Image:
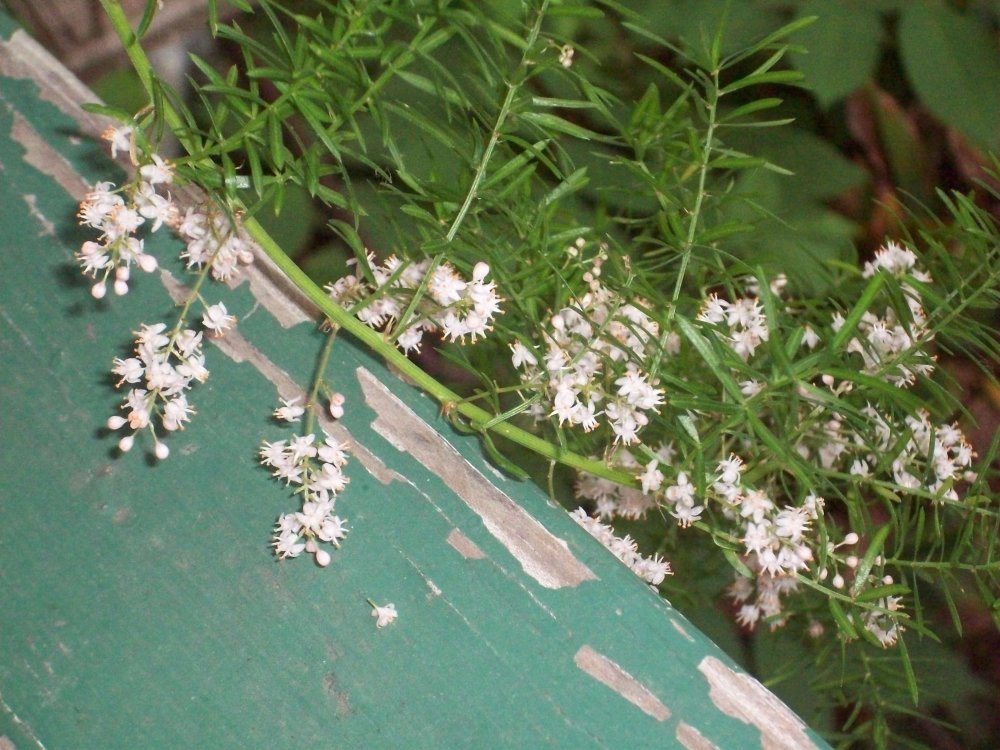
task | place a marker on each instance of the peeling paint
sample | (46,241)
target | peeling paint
(48,228)
(340,696)
(742,697)
(465,546)
(680,629)
(542,555)
(692,739)
(608,673)
(23,57)
(23,727)
(39,154)
(275,292)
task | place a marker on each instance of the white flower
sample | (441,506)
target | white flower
(521,355)
(810,338)
(652,477)
(120,138)
(409,340)
(290,411)
(217,319)
(566,55)
(446,286)
(713,310)
(337,405)
(385,615)
(682,492)
(286,541)
(131,370)
(157,172)
(332,529)
(729,469)
(152,205)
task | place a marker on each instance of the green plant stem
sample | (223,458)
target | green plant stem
(711,106)
(321,363)
(498,126)
(479,419)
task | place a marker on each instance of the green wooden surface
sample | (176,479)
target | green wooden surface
(141,607)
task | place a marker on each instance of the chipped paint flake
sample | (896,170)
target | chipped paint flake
(23,57)
(542,555)
(39,154)
(680,629)
(465,546)
(48,228)
(742,697)
(692,739)
(23,727)
(273,290)
(608,673)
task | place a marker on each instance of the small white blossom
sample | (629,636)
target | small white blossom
(566,55)
(217,319)
(385,615)
(290,410)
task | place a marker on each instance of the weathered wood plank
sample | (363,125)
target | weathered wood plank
(141,606)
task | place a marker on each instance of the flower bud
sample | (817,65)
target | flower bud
(480,271)
(121,287)
(147,262)
(322,558)
(161,450)
(126,443)
(116,422)
(98,290)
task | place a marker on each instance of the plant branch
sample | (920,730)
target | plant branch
(479,419)
(502,115)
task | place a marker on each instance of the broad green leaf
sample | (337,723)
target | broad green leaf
(953,62)
(842,47)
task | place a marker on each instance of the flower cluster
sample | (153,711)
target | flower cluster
(892,346)
(868,444)
(743,321)
(315,466)
(920,457)
(766,591)
(651,569)
(590,365)
(118,213)
(215,238)
(448,303)
(613,500)
(166,365)
(883,620)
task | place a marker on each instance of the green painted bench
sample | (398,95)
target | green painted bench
(140,604)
